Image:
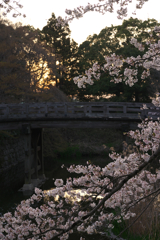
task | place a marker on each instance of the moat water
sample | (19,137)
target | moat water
(8,202)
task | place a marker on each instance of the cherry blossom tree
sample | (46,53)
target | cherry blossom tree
(8,6)
(114,63)
(102,6)
(109,193)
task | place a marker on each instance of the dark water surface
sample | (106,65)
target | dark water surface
(8,202)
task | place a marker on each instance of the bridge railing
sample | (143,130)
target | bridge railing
(77,110)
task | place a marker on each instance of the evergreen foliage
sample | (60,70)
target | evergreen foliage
(116,39)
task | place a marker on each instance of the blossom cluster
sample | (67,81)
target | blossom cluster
(108,194)
(9,5)
(98,196)
(114,65)
(92,72)
(102,6)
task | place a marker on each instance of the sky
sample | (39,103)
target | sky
(39,11)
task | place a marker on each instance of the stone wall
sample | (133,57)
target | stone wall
(12,161)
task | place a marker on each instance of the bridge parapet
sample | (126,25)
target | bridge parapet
(13,112)
(78,110)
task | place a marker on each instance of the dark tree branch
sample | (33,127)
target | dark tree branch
(137,217)
(101,203)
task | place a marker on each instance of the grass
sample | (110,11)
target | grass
(147,227)
(126,235)
(67,142)
(69,153)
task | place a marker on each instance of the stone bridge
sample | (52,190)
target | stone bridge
(31,118)
(74,115)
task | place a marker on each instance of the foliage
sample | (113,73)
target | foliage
(108,194)
(116,39)
(26,66)
(58,38)
(70,153)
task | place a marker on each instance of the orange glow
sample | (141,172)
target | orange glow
(41,75)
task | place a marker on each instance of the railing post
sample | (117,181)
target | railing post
(56,110)
(125,109)
(108,109)
(105,110)
(90,109)
(85,110)
(27,109)
(65,109)
(7,111)
(46,110)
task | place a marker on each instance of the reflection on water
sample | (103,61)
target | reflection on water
(72,195)
(9,202)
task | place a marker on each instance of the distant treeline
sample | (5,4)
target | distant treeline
(40,65)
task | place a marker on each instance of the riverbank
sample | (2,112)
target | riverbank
(76,146)
(144,229)
(66,143)
(85,142)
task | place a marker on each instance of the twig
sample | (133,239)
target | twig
(143,198)
(137,217)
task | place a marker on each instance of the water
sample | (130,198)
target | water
(9,202)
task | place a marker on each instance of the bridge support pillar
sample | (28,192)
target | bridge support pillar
(33,158)
(37,144)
